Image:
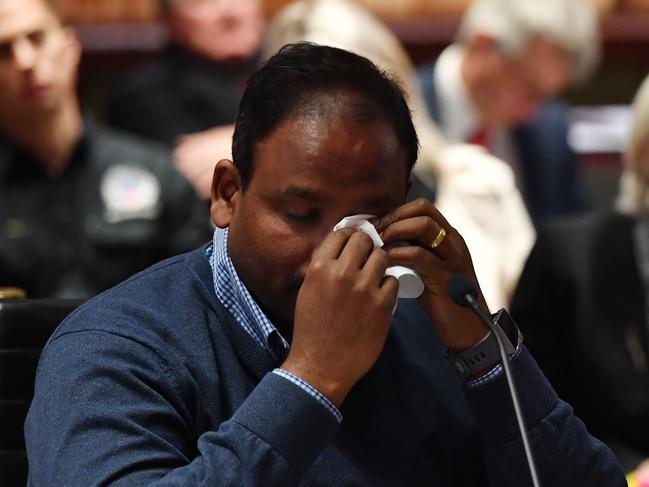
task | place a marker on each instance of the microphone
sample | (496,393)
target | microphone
(463,292)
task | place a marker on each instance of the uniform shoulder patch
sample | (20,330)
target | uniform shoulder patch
(130,191)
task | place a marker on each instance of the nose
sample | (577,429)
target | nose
(24,54)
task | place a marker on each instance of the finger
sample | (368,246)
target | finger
(356,251)
(418,207)
(390,289)
(421,260)
(413,254)
(424,232)
(375,266)
(430,265)
(333,244)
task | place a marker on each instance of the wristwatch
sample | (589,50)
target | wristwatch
(485,354)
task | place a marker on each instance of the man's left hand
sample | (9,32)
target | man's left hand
(418,224)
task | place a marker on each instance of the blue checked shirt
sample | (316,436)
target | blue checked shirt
(237,300)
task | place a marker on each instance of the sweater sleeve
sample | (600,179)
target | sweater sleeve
(564,452)
(107,411)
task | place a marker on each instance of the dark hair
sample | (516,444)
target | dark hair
(298,73)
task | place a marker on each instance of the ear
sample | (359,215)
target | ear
(226,192)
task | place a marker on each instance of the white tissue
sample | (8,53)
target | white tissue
(410,284)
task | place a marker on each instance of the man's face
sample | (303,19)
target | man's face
(38,58)
(309,172)
(220,30)
(514,87)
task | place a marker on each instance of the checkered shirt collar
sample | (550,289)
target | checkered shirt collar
(236,298)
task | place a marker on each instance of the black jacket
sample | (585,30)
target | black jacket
(177,94)
(118,207)
(581,306)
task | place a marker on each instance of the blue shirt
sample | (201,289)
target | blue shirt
(236,298)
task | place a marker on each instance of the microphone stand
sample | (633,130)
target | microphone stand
(469,300)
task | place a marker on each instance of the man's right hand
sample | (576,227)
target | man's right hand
(343,314)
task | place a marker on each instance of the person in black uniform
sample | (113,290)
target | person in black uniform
(188,97)
(81,207)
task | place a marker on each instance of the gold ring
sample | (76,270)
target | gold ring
(439,239)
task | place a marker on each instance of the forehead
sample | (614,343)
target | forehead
(334,145)
(18,17)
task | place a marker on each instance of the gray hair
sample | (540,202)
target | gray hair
(633,197)
(570,24)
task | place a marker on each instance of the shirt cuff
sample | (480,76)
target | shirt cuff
(312,391)
(492,374)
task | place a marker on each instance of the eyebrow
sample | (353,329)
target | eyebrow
(307,194)
(302,193)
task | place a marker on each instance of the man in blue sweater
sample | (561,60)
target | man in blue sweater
(271,357)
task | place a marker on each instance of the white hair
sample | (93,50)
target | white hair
(570,24)
(633,197)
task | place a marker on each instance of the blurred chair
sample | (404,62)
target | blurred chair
(25,326)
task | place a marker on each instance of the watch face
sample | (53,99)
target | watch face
(506,323)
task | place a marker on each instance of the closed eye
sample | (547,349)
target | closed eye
(310,216)
(5,51)
(37,37)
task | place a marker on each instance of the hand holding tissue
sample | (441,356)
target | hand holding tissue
(410,284)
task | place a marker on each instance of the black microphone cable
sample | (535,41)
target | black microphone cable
(464,293)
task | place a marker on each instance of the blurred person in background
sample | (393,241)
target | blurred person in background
(188,98)
(475,191)
(81,207)
(494,86)
(583,305)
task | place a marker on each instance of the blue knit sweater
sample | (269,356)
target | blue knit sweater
(153,383)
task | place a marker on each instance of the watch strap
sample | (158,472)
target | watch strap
(485,353)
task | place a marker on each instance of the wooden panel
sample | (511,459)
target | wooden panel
(635,5)
(97,11)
